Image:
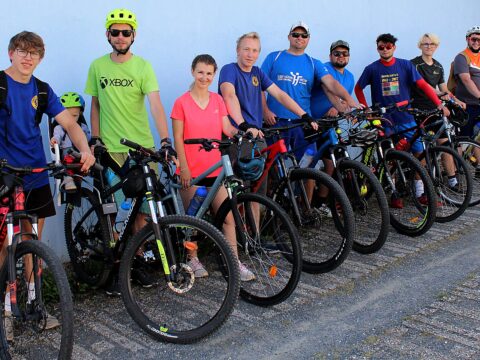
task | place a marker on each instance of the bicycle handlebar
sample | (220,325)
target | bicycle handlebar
(161,155)
(78,156)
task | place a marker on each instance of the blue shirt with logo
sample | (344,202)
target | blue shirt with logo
(294,74)
(248,88)
(21,141)
(390,84)
(319,103)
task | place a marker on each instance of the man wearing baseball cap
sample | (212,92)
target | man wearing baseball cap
(295,72)
(339,57)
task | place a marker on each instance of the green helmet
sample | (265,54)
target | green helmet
(121,16)
(72,99)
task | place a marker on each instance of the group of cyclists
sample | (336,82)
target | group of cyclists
(290,87)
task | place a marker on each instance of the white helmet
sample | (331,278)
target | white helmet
(473,30)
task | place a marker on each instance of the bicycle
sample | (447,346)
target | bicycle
(160,300)
(32,276)
(326,241)
(363,190)
(441,163)
(266,238)
(397,171)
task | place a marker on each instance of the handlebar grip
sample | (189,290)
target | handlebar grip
(194,141)
(136,146)
(78,156)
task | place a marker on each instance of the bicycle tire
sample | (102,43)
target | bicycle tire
(271,250)
(413,219)
(467,147)
(453,201)
(173,317)
(369,204)
(326,241)
(31,340)
(86,231)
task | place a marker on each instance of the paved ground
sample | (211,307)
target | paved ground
(417,298)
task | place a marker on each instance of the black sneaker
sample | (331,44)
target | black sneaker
(113,289)
(141,275)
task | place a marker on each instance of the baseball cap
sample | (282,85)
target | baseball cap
(302,25)
(339,43)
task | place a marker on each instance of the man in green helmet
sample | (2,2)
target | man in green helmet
(118,83)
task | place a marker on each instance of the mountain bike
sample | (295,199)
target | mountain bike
(398,172)
(363,189)
(442,163)
(157,286)
(32,277)
(326,240)
(267,240)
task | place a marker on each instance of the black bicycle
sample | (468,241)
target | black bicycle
(36,302)
(160,300)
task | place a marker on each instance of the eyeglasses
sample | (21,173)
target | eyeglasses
(34,55)
(340,53)
(297,35)
(472,39)
(383,47)
(116,32)
(428,44)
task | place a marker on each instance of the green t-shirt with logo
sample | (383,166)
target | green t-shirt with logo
(121,89)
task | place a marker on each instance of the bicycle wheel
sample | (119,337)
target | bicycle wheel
(397,174)
(369,203)
(43,294)
(268,245)
(453,200)
(326,239)
(187,308)
(86,231)
(470,152)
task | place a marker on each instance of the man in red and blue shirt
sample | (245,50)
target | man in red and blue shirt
(391,80)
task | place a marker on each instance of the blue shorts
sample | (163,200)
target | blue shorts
(417,146)
(294,138)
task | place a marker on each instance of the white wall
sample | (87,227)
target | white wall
(171,33)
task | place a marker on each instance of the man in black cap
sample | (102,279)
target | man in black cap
(321,102)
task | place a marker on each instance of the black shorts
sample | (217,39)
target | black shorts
(40,201)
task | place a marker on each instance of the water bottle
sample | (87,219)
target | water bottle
(122,214)
(197,200)
(111,177)
(401,145)
(307,157)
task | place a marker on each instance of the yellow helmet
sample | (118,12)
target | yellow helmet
(121,16)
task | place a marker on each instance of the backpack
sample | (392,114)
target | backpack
(452,82)
(42,96)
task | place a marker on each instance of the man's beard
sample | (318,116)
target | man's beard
(339,65)
(473,50)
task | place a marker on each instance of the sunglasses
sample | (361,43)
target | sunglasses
(340,53)
(472,39)
(297,35)
(116,32)
(383,47)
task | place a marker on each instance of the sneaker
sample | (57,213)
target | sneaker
(8,323)
(245,274)
(325,211)
(52,322)
(68,185)
(113,289)
(198,269)
(142,276)
(396,202)
(423,199)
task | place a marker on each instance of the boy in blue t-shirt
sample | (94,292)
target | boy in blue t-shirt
(21,140)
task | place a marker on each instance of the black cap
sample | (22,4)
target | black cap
(339,43)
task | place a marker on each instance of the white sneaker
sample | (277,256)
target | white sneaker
(8,322)
(198,269)
(245,274)
(68,184)
(325,211)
